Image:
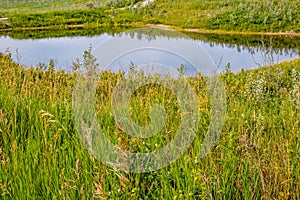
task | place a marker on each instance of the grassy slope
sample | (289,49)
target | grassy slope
(36,5)
(255,16)
(257,155)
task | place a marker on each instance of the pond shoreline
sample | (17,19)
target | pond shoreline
(223,32)
(139,25)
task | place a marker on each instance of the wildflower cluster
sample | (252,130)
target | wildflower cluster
(255,89)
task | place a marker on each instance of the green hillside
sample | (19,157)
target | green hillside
(226,15)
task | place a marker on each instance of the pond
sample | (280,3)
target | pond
(238,51)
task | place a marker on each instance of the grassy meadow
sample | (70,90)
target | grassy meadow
(256,157)
(45,5)
(225,15)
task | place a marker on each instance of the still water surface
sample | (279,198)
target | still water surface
(64,50)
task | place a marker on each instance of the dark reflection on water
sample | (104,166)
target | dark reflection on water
(240,51)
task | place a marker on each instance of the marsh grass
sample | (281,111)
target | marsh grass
(256,157)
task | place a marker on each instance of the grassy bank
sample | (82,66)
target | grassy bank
(46,5)
(256,157)
(229,15)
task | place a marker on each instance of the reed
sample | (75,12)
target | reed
(257,155)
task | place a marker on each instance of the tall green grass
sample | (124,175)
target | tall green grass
(256,157)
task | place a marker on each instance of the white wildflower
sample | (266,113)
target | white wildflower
(255,89)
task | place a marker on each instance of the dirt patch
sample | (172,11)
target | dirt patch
(4,20)
(224,32)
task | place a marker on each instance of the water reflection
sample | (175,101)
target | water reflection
(240,51)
